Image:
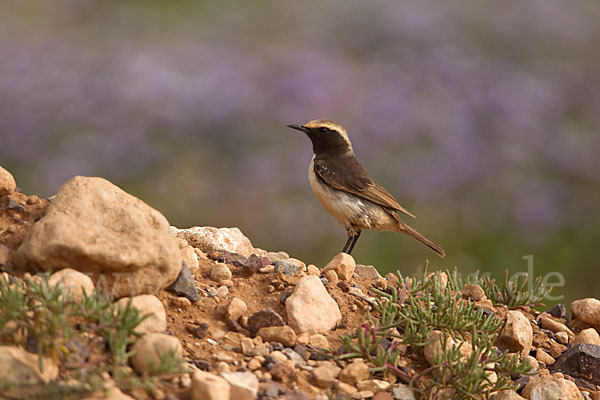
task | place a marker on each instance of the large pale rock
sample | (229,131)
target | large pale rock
(207,386)
(21,368)
(343,264)
(209,239)
(244,385)
(517,334)
(551,388)
(7,182)
(149,348)
(147,305)
(74,281)
(95,227)
(310,308)
(588,311)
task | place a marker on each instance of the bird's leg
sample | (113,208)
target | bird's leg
(354,240)
(350,238)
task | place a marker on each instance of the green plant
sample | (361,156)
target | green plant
(404,317)
(515,292)
(87,337)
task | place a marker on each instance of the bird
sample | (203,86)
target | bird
(347,191)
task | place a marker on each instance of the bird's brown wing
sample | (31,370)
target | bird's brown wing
(335,171)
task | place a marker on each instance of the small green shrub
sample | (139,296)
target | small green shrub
(402,318)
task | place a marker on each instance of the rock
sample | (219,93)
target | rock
(222,291)
(151,305)
(278,356)
(282,334)
(580,361)
(319,341)
(149,348)
(220,272)
(289,267)
(531,361)
(181,302)
(347,389)
(279,255)
(558,311)
(364,394)
(473,291)
(244,385)
(343,264)
(285,372)
(588,336)
(373,385)
(332,278)
(190,258)
(562,337)
(588,311)
(207,386)
(313,270)
(325,375)
(263,318)
(367,271)
(310,308)
(295,357)
(110,391)
(355,372)
(403,392)
(95,227)
(506,395)
(517,334)
(544,357)
(302,339)
(7,182)
(254,364)
(22,369)
(6,255)
(382,396)
(433,349)
(551,388)
(236,308)
(555,326)
(185,285)
(74,281)
(209,239)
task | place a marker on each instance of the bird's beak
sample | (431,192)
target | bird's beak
(300,128)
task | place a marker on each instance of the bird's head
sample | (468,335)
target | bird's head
(326,136)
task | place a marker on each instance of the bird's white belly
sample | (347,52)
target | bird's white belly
(350,210)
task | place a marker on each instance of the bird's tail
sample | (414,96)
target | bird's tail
(429,243)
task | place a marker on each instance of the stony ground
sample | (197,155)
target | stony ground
(248,323)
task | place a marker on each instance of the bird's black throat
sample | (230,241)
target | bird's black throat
(328,144)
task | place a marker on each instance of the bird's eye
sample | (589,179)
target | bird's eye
(323,130)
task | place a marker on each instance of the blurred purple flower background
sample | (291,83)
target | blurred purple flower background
(482,118)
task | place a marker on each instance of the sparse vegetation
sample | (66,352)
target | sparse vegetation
(512,293)
(88,338)
(404,318)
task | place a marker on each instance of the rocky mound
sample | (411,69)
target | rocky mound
(225,320)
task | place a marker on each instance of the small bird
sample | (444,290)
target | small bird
(343,186)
